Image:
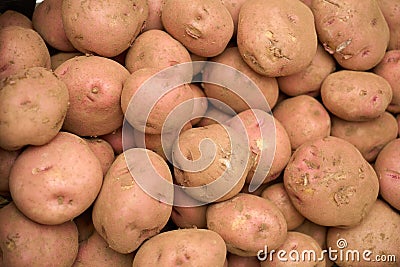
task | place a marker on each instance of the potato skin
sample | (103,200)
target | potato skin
(33,118)
(153,21)
(204,27)
(26,243)
(391,11)
(61,57)
(239,261)
(356,95)
(14,18)
(355,32)
(103,151)
(276,38)
(56,182)
(184,247)
(330,183)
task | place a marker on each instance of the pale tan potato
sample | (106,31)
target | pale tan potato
(21,48)
(7,159)
(14,18)
(391,11)
(61,57)
(103,151)
(54,183)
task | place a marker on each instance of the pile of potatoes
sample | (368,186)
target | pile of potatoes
(77,142)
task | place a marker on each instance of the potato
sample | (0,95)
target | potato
(155,49)
(369,137)
(14,18)
(31,118)
(188,215)
(213,116)
(389,68)
(183,247)
(200,104)
(102,27)
(95,86)
(21,48)
(224,159)
(354,32)
(391,12)
(277,194)
(388,170)
(308,81)
(247,223)
(304,119)
(374,237)
(268,87)
(330,183)
(233,7)
(7,159)
(160,103)
(125,215)
(84,224)
(61,57)
(318,232)
(54,183)
(103,151)
(153,21)
(355,95)
(239,261)
(95,252)
(256,192)
(26,243)
(304,245)
(276,38)
(204,27)
(115,139)
(48,13)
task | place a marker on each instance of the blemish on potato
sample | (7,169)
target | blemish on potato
(192,31)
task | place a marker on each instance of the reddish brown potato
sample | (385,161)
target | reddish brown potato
(103,151)
(391,12)
(14,18)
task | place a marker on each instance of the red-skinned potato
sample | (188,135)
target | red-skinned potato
(48,13)
(95,86)
(14,18)
(204,27)
(27,243)
(388,170)
(21,48)
(153,21)
(103,151)
(330,183)
(355,32)
(104,28)
(32,118)
(391,11)
(276,38)
(7,159)
(239,261)
(54,183)
(115,139)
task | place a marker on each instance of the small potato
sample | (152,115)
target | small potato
(204,27)
(105,28)
(61,57)
(21,48)
(356,95)
(155,49)
(183,247)
(309,80)
(95,86)
(388,169)
(304,119)
(275,37)
(213,116)
(389,68)
(48,13)
(200,103)
(54,183)
(355,32)
(369,137)
(153,21)
(247,217)
(330,183)
(14,18)
(7,159)
(239,261)
(32,118)
(376,234)
(103,151)
(302,244)
(138,215)
(277,194)
(391,11)
(26,243)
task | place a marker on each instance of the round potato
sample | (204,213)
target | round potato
(183,247)
(356,95)
(54,183)
(330,183)
(14,18)
(32,118)
(275,37)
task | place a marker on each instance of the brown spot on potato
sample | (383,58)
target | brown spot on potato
(192,31)
(343,195)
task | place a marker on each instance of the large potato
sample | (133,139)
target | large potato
(204,27)
(275,37)
(354,31)
(330,183)
(125,215)
(183,247)
(26,243)
(95,86)
(54,183)
(102,27)
(33,105)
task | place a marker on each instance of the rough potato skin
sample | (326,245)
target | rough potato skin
(27,243)
(330,183)
(276,38)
